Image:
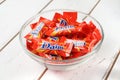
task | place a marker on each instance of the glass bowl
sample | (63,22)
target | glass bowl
(59,64)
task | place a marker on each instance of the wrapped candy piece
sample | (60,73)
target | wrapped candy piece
(47,22)
(92,44)
(77,36)
(62,22)
(63,53)
(45,46)
(68,18)
(32,44)
(91,26)
(62,48)
(39,28)
(78,45)
(59,31)
(96,33)
(61,39)
(71,17)
(71,29)
(57,17)
(87,28)
(41,53)
(38,31)
(96,37)
(35,33)
(33,25)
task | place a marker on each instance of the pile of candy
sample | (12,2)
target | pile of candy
(62,37)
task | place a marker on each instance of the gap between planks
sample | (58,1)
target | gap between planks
(105,77)
(41,75)
(92,9)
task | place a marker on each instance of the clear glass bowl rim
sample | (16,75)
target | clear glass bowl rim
(68,60)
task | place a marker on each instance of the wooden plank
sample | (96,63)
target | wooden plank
(107,13)
(14,13)
(16,65)
(79,5)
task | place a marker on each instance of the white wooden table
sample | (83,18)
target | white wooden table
(16,65)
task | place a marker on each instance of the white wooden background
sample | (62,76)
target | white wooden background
(16,65)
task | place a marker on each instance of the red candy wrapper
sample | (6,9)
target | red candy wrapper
(71,17)
(71,29)
(47,22)
(62,37)
(36,31)
(78,45)
(60,48)
(60,31)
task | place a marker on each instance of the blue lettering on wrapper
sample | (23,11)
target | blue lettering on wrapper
(63,22)
(77,42)
(47,45)
(64,28)
(43,46)
(36,31)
